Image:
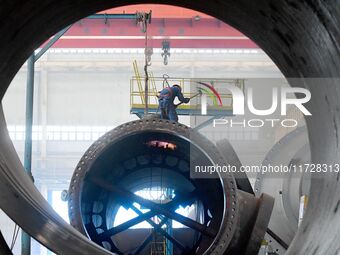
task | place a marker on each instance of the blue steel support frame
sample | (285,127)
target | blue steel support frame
(113,16)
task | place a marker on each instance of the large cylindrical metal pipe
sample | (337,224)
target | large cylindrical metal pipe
(150,154)
(145,159)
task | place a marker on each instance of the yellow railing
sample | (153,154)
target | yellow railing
(139,81)
(156,84)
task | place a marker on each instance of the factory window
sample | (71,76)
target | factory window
(243,134)
(59,133)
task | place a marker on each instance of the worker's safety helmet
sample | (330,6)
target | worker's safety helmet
(176,85)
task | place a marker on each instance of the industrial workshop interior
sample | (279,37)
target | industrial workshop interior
(203,128)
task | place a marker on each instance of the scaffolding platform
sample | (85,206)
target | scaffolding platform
(189,88)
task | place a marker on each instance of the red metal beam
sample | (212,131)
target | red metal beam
(181,32)
(158,11)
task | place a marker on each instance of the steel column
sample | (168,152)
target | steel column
(25,238)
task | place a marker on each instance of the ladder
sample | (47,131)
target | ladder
(139,79)
(158,246)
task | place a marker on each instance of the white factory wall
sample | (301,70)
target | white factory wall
(80,94)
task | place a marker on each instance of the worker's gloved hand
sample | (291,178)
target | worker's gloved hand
(186,100)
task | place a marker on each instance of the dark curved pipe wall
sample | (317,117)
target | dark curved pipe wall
(302,37)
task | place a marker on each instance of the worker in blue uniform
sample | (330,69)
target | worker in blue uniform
(166,102)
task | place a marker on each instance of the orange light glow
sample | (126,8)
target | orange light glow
(161,144)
